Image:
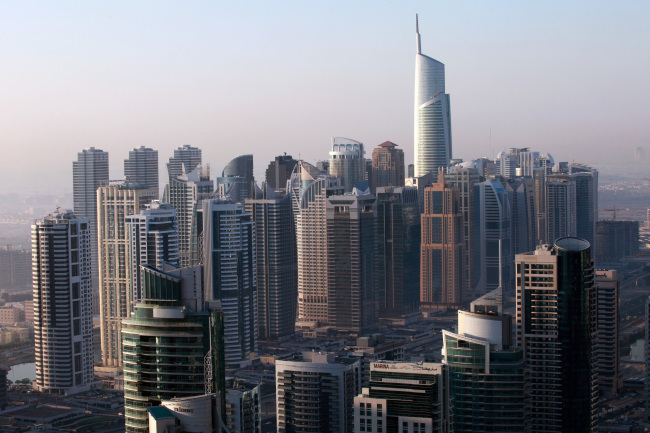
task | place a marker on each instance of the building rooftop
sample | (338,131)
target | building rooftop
(160,412)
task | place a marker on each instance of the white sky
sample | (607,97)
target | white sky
(569,78)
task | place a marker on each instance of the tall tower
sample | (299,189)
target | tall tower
(152,240)
(236,179)
(279,171)
(387,166)
(230,274)
(606,348)
(275,252)
(141,167)
(351,262)
(63,328)
(114,203)
(185,159)
(89,172)
(556,326)
(443,246)
(347,161)
(432,120)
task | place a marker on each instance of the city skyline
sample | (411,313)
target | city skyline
(93,76)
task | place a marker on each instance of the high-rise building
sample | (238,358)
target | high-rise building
(15,268)
(464,179)
(63,328)
(277,268)
(200,413)
(230,274)
(411,170)
(152,240)
(560,207)
(556,327)
(114,203)
(172,344)
(494,218)
(315,392)
(243,401)
(141,167)
(309,192)
(522,199)
(443,246)
(606,345)
(432,120)
(89,172)
(351,262)
(184,161)
(616,239)
(398,250)
(647,360)
(403,397)
(486,371)
(185,193)
(586,179)
(279,171)
(387,166)
(236,180)
(347,162)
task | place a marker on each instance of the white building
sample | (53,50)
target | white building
(141,167)
(63,328)
(347,161)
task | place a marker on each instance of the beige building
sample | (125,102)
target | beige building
(387,166)
(443,246)
(114,203)
(9,315)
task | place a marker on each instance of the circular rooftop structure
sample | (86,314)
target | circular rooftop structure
(572,244)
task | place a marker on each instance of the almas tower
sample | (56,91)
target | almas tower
(432,122)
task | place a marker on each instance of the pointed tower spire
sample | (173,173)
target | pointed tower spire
(417,36)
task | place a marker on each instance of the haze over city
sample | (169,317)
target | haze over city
(262,77)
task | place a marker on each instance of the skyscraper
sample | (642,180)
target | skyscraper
(556,325)
(351,262)
(279,171)
(432,119)
(63,328)
(141,167)
(586,179)
(236,180)
(387,166)
(185,159)
(89,172)
(443,246)
(152,240)
(486,371)
(114,203)
(398,250)
(524,228)
(230,274)
(347,162)
(275,255)
(606,348)
(560,207)
(493,217)
(172,344)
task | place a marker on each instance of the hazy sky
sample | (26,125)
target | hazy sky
(571,78)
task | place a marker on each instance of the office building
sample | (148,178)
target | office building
(486,371)
(310,189)
(243,406)
(279,171)
(403,397)
(443,246)
(172,344)
(351,262)
(114,203)
(236,180)
(89,172)
(15,268)
(432,119)
(185,193)
(398,250)
(615,240)
(556,326)
(606,348)
(231,274)
(387,166)
(141,167)
(277,266)
(586,179)
(347,162)
(463,179)
(315,392)
(521,195)
(560,207)
(184,161)
(63,327)
(411,170)
(152,240)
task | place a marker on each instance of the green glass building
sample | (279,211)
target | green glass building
(169,343)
